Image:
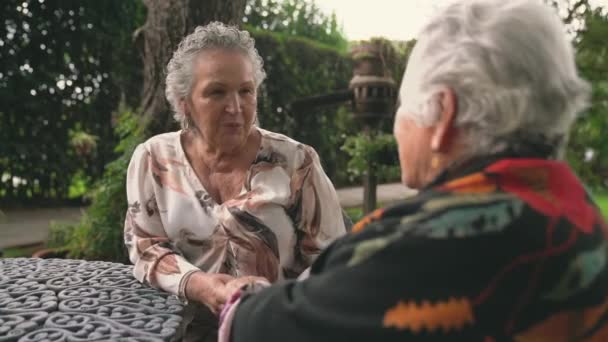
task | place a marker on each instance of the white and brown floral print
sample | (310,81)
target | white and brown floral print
(286,213)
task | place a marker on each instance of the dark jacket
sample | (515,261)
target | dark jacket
(514,250)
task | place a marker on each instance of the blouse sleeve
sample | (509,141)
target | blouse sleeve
(319,219)
(156,261)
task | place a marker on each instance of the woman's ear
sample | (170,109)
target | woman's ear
(183,106)
(444,128)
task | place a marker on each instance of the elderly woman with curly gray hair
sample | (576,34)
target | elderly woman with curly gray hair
(502,243)
(222,202)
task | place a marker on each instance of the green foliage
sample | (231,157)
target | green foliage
(79,186)
(19,252)
(355,214)
(83,143)
(298,67)
(373,151)
(63,68)
(60,234)
(601,199)
(99,235)
(296,18)
(588,147)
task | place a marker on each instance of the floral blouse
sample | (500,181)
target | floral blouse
(286,213)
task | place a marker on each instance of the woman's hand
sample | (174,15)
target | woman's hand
(209,289)
(237,283)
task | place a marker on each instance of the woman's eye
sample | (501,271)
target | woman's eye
(217,92)
(247,91)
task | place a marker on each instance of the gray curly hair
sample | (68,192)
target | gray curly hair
(511,66)
(180,73)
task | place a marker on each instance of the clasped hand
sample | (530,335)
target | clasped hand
(214,289)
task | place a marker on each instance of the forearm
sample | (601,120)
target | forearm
(164,269)
(156,262)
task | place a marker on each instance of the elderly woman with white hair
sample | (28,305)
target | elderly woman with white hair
(222,202)
(502,243)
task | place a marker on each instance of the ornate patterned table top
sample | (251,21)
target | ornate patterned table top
(77,300)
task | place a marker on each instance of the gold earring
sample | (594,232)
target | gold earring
(435,160)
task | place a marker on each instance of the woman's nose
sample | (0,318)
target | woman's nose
(234,104)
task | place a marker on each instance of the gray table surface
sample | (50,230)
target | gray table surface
(76,300)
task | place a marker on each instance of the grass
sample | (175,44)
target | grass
(18,252)
(355,214)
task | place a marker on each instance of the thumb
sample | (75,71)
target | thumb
(223,278)
(223,293)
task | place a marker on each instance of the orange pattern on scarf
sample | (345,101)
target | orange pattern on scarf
(371,217)
(452,314)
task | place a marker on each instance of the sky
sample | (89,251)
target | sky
(392,19)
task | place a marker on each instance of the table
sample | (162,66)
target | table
(77,300)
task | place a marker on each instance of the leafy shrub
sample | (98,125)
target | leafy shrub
(376,152)
(99,235)
(297,68)
(64,66)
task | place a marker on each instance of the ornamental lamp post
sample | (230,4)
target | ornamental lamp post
(372,94)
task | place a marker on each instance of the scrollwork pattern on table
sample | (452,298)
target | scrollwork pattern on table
(76,300)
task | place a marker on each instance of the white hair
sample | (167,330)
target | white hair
(180,69)
(511,67)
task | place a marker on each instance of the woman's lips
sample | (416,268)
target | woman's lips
(232,127)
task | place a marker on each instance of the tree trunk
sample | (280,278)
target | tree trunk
(168,21)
